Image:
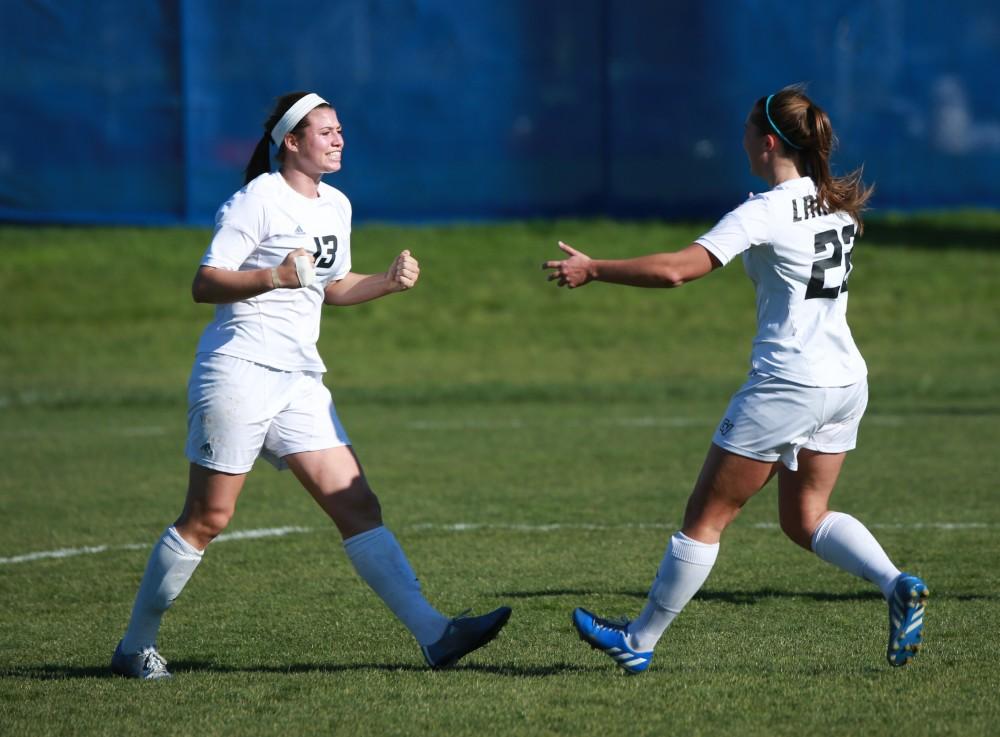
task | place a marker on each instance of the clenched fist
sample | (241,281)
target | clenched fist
(297,270)
(403,273)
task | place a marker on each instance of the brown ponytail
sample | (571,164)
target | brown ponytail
(808,136)
(260,159)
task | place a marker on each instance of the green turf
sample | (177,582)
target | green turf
(565,427)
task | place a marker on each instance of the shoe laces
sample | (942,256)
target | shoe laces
(454,620)
(152,661)
(617,624)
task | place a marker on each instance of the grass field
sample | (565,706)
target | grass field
(530,446)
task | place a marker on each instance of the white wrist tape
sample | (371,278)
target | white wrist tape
(305,271)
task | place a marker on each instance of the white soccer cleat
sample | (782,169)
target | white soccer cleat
(146,664)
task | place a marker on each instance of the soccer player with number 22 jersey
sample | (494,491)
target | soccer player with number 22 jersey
(798,413)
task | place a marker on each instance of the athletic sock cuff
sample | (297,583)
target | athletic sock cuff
(357,543)
(173,540)
(689,550)
(823,529)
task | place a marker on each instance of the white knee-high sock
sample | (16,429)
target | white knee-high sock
(684,569)
(170,566)
(380,561)
(846,543)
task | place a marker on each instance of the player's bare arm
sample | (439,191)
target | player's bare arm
(655,270)
(354,289)
(222,286)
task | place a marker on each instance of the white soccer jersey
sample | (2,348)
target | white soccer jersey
(256,229)
(799,259)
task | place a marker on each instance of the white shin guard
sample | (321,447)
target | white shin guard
(168,570)
(684,569)
(843,541)
(380,561)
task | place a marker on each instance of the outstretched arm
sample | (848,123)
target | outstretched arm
(354,288)
(670,269)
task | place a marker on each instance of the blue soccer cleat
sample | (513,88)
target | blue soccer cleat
(906,619)
(611,638)
(463,635)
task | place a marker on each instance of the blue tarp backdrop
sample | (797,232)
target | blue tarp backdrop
(143,111)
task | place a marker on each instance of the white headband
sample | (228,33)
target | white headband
(295,113)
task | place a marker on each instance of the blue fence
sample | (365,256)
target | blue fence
(146,112)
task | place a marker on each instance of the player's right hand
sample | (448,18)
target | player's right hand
(573,271)
(289,273)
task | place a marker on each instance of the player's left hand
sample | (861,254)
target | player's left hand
(403,273)
(572,272)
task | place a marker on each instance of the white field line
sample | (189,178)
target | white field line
(513,423)
(92,549)
(507,423)
(463,527)
(137,431)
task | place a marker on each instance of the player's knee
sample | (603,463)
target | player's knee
(798,527)
(708,512)
(205,525)
(361,501)
(215,521)
(354,506)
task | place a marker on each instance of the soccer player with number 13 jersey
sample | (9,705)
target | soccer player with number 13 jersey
(281,250)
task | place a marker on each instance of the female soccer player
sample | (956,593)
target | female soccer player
(798,413)
(281,250)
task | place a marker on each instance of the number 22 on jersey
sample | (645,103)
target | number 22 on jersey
(840,258)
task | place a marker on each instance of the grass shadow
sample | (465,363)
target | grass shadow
(753,597)
(743,597)
(729,597)
(54,672)
(184,666)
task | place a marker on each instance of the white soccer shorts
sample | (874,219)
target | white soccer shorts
(239,410)
(770,419)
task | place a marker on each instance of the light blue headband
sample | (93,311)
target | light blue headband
(767,112)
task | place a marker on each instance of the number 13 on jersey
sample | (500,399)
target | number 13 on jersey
(326,251)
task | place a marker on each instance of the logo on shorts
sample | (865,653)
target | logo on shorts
(725,427)
(299,231)
(206,450)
